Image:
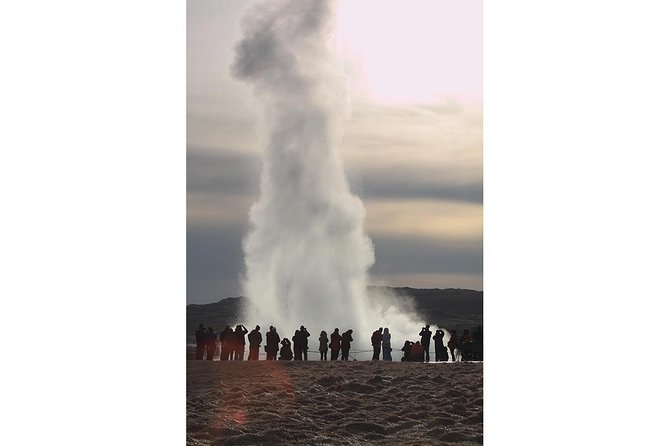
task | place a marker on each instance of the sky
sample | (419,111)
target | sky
(411,145)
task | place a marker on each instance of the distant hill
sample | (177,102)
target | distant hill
(451,307)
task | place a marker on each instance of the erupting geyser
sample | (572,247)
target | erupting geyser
(307,254)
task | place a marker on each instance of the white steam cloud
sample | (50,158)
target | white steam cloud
(307,254)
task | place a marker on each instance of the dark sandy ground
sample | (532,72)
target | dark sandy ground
(334,403)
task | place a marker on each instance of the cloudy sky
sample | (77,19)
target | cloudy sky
(412,145)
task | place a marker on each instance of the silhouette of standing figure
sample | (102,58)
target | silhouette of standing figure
(210,341)
(230,342)
(466,345)
(425,335)
(323,347)
(300,342)
(304,334)
(335,345)
(240,334)
(376,343)
(346,340)
(439,350)
(297,343)
(200,335)
(272,346)
(255,339)
(286,353)
(227,343)
(385,343)
(453,344)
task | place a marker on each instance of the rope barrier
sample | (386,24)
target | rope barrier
(263,355)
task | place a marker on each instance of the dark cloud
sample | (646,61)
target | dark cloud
(214,253)
(415,183)
(222,172)
(214,261)
(421,255)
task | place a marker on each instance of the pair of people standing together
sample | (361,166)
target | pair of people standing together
(337,343)
(381,339)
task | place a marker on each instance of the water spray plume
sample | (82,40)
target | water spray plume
(307,255)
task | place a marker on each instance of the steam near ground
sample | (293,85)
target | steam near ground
(307,255)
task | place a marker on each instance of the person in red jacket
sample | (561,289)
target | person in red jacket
(417,352)
(453,344)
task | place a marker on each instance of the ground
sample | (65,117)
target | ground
(334,403)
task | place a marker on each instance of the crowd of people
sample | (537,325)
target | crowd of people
(232,345)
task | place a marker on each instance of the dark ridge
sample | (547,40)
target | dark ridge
(451,307)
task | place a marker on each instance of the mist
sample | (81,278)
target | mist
(307,255)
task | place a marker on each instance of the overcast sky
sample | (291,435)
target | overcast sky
(412,146)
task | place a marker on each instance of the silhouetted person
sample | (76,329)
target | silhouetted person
(200,335)
(240,342)
(286,353)
(210,342)
(439,350)
(323,347)
(232,344)
(335,345)
(425,335)
(385,343)
(477,337)
(466,345)
(300,342)
(453,344)
(305,345)
(227,338)
(297,344)
(255,339)
(407,350)
(272,347)
(417,352)
(346,340)
(376,344)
